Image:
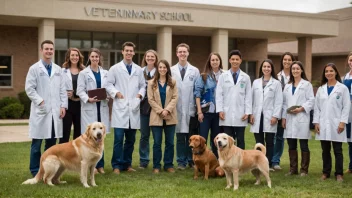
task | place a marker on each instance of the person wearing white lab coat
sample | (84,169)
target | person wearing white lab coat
(347,80)
(45,87)
(72,66)
(234,99)
(298,101)
(267,105)
(92,109)
(279,142)
(331,111)
(185,75)
(126,85)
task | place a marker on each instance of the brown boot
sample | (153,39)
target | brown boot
(293,162)
(305,163)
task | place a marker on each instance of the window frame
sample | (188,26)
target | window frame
(11,75)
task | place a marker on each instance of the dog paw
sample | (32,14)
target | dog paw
(205,178)
(227,187)
(195,177)
(63,182)
(94,185)
(257,183)
(86,185)
(235,187)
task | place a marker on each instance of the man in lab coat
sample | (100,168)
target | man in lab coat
(185,75)
(45,87)
(127,85)
(234,99)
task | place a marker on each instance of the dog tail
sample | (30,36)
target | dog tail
(36,178)
(260,147)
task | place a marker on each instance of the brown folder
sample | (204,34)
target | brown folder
(100,93)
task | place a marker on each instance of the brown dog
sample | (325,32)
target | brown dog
(204,159)
(235,161)
(81,155)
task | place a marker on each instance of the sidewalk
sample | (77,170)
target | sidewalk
(14,133)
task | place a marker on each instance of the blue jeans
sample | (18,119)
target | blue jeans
(144,141)
(210,121)
(34,161)
(184,152)
(169,131)
(278,145)
(100,163)
(122,153)
(348,132)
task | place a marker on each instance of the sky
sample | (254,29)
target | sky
(306,6)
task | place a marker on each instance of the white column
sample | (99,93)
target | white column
(164,43)
(219,44)
(46,31)
(305,54)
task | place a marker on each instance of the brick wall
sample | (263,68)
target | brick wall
(22,44)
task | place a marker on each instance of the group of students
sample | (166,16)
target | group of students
(178,99)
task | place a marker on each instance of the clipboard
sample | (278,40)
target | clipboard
(100,93)
(292,108)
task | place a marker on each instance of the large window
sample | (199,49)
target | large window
(5,71)
(107,42)
(249,67)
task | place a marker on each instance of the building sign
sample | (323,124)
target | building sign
(137,14)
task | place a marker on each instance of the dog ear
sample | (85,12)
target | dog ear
(190,138)
(231,141)
(215,143)
(87,132)
(202,140)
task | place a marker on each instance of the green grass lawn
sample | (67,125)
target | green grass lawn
(14,162)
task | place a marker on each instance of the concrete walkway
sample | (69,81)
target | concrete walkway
(14,133)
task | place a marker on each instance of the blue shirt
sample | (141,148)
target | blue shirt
(162,92)
(47,66)
(180,67)
(98,81)
(330,89)
(293,89)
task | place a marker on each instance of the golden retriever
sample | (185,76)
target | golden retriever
(235,161)
(204,159)
(81,155)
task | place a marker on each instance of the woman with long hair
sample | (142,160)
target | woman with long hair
(162,97)
(204,92)
(331,111)
(347,80)
(149,66)
(72,66)
(93,77)
(266,108)
(298,101)
(283,76)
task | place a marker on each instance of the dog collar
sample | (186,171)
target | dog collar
(199,152)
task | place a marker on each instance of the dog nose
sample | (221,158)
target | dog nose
(219,143)
(191,146)
(99,135)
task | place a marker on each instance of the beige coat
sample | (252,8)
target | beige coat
(155,103)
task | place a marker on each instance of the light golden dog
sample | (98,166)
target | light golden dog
(81,155)
(235,161)
(204,159)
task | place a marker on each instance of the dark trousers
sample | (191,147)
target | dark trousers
(267,139)
(210,122)
(72,116)
(183,151)
(34,161)
(237,133)
(348,132)
(144,141)
(292,144)
(326,155)
(279,144)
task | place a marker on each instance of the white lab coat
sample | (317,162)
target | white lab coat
(234,100)
(268,101)
(85,82)
(186,103)
(68,79)
(330,110)
(40,86)
(127,109)
(297,125)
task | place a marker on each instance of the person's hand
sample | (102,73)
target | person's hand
(273,121)
(297,110)
(119,95)
(283,123)
(92,100)
(139,96)
(62,112)
(251,119)
(42,103)
(200,117)
(341,127)
(244,117)
(222,115)
(164,113)
(317,128)
(69,94)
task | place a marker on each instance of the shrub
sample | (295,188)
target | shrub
(14,110)
(26,102)
(5,101)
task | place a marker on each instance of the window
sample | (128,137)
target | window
(102,40)
(249,67)
(5,71)
(80,40)
(61,39)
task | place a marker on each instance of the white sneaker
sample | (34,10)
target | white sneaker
(277,167)
(271,170)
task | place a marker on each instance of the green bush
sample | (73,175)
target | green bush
(14,111)
(5,101)
(26,102)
